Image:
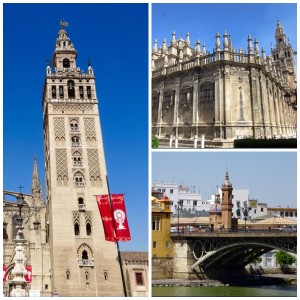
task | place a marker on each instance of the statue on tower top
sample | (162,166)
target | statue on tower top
(63,24)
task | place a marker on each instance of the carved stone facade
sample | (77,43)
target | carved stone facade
(37,248)
(223,95)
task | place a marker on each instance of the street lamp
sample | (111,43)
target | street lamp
(246,213)
(36,224)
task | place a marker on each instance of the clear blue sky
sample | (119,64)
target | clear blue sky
(114,37)
(269,176)
(203,20)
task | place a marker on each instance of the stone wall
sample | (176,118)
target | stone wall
(162,268)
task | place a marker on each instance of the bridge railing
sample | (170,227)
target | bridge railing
(254,232)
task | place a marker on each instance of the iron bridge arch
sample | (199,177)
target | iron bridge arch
(231,252)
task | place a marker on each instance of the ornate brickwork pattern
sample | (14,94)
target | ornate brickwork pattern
(89,127)
(88,217)
(61,163)
(59,127)
(72,107)
(76,217)
(93,163)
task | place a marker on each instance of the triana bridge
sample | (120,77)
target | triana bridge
(217,254)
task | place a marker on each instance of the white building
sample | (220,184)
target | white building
(189,201)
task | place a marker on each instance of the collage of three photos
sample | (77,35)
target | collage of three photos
(150,149)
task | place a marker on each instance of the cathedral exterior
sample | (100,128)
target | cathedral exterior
(224,95)
(64,239)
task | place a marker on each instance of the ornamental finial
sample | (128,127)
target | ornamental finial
(63,24)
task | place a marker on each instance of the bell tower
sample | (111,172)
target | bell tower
(82,262)
(283,57)
(227,203)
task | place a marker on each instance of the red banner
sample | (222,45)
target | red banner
(105,212)
(28,276)
(120,217)
(4,273)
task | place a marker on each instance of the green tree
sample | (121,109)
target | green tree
(154,141)
(284,258)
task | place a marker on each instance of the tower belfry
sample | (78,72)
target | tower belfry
(82,262)
(283,56)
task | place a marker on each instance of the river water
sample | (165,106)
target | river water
(225,291)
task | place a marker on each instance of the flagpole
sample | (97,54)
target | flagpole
(118,248)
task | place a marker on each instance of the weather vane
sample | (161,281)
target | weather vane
(63,24)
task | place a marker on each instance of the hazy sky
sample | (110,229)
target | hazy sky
(270,177)
(110,36)
(203,20)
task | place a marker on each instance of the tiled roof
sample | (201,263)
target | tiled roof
(191,221)
(277,221)
(134,256)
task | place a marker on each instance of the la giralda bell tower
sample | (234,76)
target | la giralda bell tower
(82,262)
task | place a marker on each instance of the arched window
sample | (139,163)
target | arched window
(81,205)
(77,159)
(68,275)
(88,229)
(89,92)
(66,63)
(84,255)
(105,276)
(61,91)
(75,141)
(86,275)
(53,91)
(74,126)
(78,179)
(71,89)
(81,93)
(76,229)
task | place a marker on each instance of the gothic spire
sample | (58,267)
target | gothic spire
(35,181)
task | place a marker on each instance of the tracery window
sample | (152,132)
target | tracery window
(207,92)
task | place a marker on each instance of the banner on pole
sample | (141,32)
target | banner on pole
(120,218)
(28,276)
(107,221)
(4,273)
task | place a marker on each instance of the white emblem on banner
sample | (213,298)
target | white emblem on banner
(119,216)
